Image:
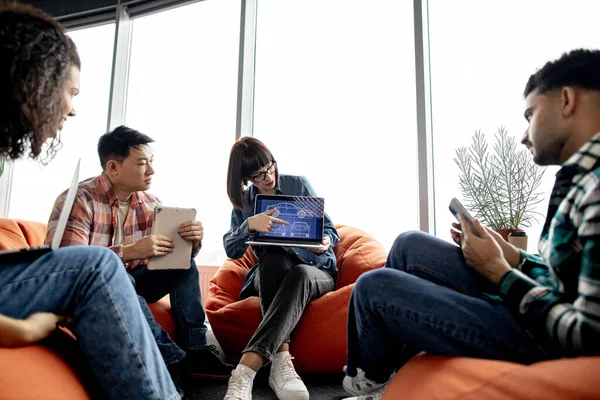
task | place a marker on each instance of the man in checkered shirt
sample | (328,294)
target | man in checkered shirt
(430,297)
(114,210)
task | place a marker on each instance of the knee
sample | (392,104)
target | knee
(404,244)
(407,240)
(100,258)
(369,281)
(299,275)
(105,261)
(380,283)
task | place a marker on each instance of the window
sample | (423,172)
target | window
(35,187)
(335,102)
(481,59)
(182,93)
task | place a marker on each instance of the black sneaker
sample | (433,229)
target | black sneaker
(175,372)
(205,364)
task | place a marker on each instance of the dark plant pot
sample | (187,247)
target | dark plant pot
(505,232)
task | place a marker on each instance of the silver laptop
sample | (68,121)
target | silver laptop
(305,216)
(32,253)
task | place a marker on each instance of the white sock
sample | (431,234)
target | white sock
(247,370)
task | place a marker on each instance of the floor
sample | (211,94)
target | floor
(320,387)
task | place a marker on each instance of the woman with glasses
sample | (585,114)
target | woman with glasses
(285,279)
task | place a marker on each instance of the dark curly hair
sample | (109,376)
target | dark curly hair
(35,57)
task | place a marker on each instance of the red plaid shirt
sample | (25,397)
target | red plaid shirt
(94,217)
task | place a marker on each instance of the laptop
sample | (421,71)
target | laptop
(305,216)
(33,253)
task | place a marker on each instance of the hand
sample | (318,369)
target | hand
(263,222)
(511,254)
(192,230)
(326,243)
(40,325)
(151,246)
(483,253)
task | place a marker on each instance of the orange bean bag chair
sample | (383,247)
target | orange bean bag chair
(319,341)
(453,378)
(34,372)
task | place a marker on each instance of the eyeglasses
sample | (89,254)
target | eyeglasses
(261,176)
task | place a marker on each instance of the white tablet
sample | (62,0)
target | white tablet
(166,222)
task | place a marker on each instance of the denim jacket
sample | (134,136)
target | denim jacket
(234,240)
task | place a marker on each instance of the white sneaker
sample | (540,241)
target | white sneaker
(239,386)
(284,380)
(376,395)
(360,385)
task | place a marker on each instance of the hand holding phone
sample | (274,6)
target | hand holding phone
(457,208)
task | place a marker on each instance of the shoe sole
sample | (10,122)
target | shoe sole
(287,396)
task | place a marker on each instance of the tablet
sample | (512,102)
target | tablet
(166,222)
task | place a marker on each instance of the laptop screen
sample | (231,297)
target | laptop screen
(304,216)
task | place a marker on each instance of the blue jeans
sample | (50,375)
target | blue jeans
(90,285)
(183,287)
(428,299)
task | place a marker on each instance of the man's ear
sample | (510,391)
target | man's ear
(112,167)
(568,101)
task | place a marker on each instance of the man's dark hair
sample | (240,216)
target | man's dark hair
(35,56)
(578,68)
(116,145)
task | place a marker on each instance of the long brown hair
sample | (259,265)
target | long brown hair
(247,156)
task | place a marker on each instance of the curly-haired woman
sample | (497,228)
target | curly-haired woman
(84,286)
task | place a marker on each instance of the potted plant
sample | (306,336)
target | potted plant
(500,185)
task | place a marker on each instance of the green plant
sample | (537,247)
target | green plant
(499,186)
(1,164)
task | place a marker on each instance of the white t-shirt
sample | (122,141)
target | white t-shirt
(121,218)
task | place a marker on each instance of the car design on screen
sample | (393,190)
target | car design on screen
(300,229)
(290,210)
(278,230)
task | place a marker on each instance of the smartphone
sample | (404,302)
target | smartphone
(457,208)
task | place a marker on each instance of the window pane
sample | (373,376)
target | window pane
(182,93)
(35,187)
(482,54)
(335,101)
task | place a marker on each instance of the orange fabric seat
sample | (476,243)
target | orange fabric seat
(453,378)
(319,341)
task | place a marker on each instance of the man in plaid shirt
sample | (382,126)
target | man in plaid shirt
(430,297)
(115,211)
